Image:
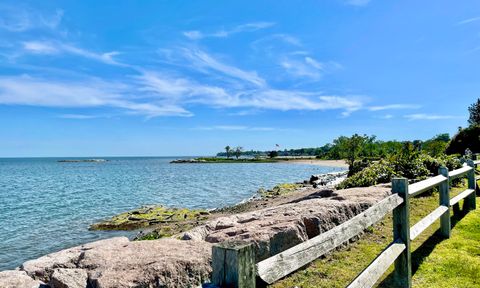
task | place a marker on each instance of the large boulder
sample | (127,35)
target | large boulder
(278,228)
(69,278)
(43,267)
(155,263)
(117,262)
(17,279)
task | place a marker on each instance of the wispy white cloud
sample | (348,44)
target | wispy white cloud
(20,19)
(55,47)
(39,47)
(78,116)
(357,2)
(469,20)
(235,128)
(186,91)
(247,112)
(26,90)
(386,116)
(223,33)
(203,60)
(422,116)
(307,67)
(394,107)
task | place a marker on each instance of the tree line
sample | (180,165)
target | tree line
(369,147)
(345,147)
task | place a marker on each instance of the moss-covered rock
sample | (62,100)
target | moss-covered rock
(149,216)
(279,189)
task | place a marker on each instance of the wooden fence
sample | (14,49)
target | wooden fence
(234,263)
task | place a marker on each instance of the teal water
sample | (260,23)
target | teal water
(47,206)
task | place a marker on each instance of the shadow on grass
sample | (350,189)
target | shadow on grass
(422,252)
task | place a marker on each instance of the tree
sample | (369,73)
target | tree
(228,149)
(272,154)
(466,138)
(350,147)
(238,151)
(444,137)
(474,111)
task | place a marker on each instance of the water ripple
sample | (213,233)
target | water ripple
(46,206)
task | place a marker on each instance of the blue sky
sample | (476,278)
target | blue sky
(102,78)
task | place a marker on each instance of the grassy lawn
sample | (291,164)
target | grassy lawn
(436,262)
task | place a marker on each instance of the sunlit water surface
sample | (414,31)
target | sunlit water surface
(46,205)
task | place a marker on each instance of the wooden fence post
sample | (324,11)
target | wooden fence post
(445,225)
(401,230)
(472,201)
(233,265)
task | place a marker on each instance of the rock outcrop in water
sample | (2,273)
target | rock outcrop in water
(118,262)
(82,160)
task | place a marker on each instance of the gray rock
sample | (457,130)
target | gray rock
(117,262)
(154,263)
(17,279)
(277,228)
(68,278)
(42,268)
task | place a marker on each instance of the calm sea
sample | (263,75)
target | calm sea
(46,206)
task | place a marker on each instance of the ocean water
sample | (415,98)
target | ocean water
(46,206)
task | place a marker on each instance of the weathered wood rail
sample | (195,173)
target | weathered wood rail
(234,264)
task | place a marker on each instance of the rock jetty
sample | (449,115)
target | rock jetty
(328,179)
(182,161)
(82,160)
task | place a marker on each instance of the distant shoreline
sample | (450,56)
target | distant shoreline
(319,162)
(299,160)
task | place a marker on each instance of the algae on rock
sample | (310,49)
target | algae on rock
(149,216)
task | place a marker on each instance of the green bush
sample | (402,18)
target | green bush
(409,164)
(357,167)
(375,173)
(433,164)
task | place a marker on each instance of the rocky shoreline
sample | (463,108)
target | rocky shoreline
(158,221)
(272,223)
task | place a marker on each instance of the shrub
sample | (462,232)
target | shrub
(411,165)
(375,173)
(357,167)
(408,164)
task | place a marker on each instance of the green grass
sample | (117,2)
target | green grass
(436,262)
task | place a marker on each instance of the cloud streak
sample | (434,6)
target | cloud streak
(16,20)
(55,47)
(203,60)
(468,21)
(186,91)
(25,90)
(224,33)
(235,128)
(394,107)
(422,116)
(358,2)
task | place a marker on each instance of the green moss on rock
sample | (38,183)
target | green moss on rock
(280,189)
(148,216)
